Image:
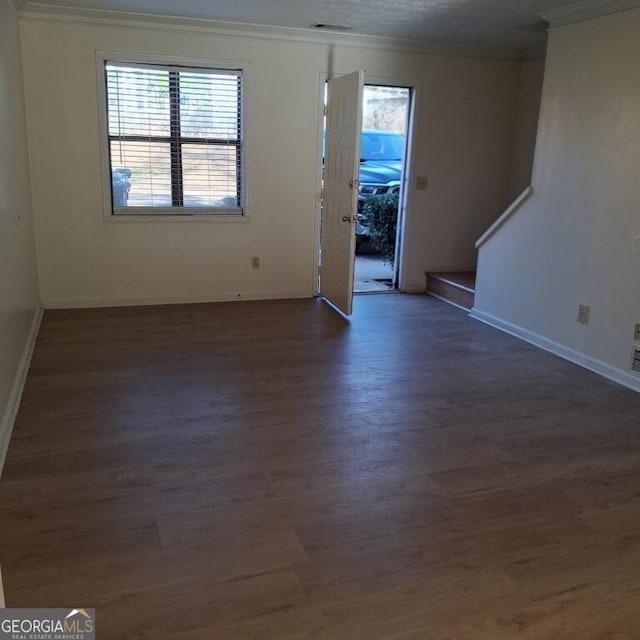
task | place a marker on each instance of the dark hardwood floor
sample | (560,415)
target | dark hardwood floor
(258,470)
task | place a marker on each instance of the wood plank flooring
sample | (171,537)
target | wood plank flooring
(260,470)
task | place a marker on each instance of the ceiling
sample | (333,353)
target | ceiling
(503,24)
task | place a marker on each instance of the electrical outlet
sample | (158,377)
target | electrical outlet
(636,332)
(583,313)
(255,262)
(421,183)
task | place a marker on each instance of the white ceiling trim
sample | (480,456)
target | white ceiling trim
(15,5)
(587,10)
(37,11)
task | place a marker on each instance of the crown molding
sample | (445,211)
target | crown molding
(49,12)
(15,5)
(587,10)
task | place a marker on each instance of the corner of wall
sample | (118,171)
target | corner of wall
(526,125)
(13,402)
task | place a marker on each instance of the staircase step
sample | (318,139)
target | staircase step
(455,287)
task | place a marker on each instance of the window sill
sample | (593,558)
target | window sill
(207,215)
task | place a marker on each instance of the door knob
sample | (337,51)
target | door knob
(346,218)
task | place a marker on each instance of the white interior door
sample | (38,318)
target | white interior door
(340,198)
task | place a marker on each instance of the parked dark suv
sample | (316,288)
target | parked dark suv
(381,159)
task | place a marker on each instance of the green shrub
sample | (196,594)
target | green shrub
(381,213)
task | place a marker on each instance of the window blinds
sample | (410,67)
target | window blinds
(175,137)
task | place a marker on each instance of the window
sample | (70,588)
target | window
(174,139)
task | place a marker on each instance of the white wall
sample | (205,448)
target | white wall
(19,297)
(466,122)
(572,242)
(529,96)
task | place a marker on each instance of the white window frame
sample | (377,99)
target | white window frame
(167,214)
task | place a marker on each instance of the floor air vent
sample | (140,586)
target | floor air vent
(635,360)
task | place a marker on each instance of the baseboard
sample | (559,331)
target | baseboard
(13,403)
(592,364)
(135,301)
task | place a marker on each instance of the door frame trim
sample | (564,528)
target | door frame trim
(404,217)
(315,282)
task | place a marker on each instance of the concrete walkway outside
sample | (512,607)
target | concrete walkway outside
(372,274)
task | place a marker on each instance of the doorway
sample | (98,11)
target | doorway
(361,197)
(383,156)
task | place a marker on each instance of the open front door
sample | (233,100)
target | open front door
(340,199)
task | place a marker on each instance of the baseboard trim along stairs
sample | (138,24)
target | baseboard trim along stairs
(454,287)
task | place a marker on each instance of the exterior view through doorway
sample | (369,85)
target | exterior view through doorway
(383,154)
